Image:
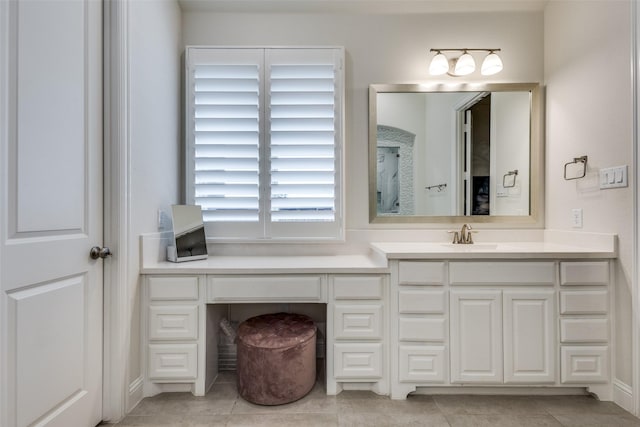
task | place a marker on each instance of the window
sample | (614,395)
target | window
(264,141)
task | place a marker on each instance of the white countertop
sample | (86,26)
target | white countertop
(488,250)
(374,257)
(368,263)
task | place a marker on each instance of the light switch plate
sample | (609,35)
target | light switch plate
(613,177)
(576,218)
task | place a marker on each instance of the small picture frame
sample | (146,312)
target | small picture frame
(189,240)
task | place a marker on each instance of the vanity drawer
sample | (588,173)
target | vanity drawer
(265,289)
(173,322)
(420,301)
(357,321)
(357,287)
(420,273)
(584,364)
(584,273)
(420,329)
(584,302)
(584,330)
(422,364)
(173,361)
(502,273)
(163,288)
(357,360)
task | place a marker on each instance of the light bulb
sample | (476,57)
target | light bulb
(492,64)
(464,65)
(439,65)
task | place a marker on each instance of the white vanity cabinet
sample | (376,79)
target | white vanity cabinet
(584,322)
(172,324)
(419,326)
(502,321)
(502,336)
(181,315)
(357,327)
(499,323)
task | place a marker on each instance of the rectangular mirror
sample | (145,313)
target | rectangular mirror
(188,234)
(455,153)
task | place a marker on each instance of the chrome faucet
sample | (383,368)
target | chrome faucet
(463,236)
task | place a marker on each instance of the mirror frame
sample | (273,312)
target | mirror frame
(536,156)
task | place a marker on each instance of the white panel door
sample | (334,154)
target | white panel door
(476,336)
(529,338)
(51,212)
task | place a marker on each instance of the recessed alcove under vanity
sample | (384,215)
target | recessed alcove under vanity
(401,317)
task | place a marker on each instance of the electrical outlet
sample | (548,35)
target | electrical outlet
(576,218)
(164,223)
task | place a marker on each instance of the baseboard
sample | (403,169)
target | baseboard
(134,395)
(623,395)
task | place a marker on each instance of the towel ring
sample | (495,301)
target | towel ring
(513,173)
(576,160)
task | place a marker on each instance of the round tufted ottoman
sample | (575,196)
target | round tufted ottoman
(276,358)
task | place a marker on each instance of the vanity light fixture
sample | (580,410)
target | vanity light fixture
(439,64)
(464,64)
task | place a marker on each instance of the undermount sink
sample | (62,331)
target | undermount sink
(473,247)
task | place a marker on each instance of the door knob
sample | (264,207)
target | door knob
(98,252)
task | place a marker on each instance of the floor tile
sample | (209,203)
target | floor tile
(307,404)
(223,391)
(222,406)
(205,421)
(161,404)
(163,419)
(413,405)
(579,405)
(208,406)
(283,420)
(489,405)
(391,419)
(502,421)
(226,377)
(597,420)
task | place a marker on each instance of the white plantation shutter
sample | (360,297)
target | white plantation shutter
(302,130)
(226,128)
(264,133)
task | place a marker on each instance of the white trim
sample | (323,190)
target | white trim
(635,303)
(135,393)
(116,203)
(623,395)
(5,61)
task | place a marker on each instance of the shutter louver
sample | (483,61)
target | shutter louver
(226,135)
(302,143)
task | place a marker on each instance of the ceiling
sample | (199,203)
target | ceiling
(360,6)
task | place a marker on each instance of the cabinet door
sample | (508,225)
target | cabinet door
(529,343)
(476,336)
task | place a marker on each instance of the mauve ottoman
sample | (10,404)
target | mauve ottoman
(276,358)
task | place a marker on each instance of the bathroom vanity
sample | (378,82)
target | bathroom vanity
(542,319)
(403,317)
(184,303)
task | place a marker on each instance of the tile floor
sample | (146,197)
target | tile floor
(223,407)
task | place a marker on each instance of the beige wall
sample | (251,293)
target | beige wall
(589,112)
(579,49)
(380,49)
(155,106)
